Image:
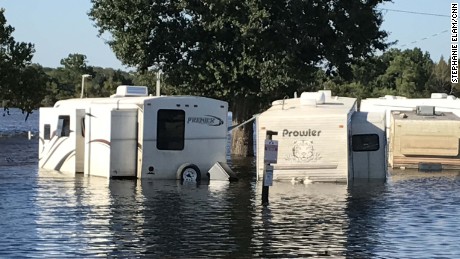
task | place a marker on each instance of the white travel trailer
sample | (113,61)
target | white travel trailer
(424,139)
(422,133)
(132,134)
(323,138)
(441,101)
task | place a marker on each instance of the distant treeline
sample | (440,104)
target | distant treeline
(409,73)
(66,81)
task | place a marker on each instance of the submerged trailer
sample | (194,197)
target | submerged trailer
(132,134)
(323,138)
(424,139)
(388,103)
(421,132)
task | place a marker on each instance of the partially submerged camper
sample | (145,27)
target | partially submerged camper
(424,139)
(422,133)
(132,134)
(388,103)
(323,138)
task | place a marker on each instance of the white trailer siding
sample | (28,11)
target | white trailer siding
(61,140)
(111,142)
(97,155)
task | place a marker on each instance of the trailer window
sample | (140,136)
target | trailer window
(170,129)
(63,128)
(365,142)
(83,129)
(47,132)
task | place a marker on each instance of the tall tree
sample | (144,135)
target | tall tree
(247,52)
(21,84)
(408,72)
(106,80)
(67,78)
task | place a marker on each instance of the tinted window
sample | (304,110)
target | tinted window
(63,128)
(365,142)
(170,129)
(47,131)
(83,127)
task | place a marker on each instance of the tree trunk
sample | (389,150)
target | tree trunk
(242,140)
(242,137)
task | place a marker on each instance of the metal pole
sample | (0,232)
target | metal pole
(82,85)
(158,83)
(265,187)
(83,77)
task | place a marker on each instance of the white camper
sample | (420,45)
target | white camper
(388,103)
(422,133)
(134,135)
(322,138)
(424,139)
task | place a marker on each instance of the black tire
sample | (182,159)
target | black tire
(190,173)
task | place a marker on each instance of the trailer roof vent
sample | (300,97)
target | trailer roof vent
(131,90)
(312,98)
(438,95)
(425,110)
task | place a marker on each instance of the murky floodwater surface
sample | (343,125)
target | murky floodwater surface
(48,214)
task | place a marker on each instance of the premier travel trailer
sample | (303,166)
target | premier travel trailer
(323,138)
(132,134)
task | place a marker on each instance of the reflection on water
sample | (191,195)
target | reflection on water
(50,214)
(13,122)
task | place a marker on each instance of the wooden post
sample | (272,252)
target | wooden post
(265,187)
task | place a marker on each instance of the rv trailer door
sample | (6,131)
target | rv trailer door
(368,146)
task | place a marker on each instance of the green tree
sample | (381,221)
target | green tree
(31,88)
(21,83)
(106,80)
(246,52)
(408,73)
(440,78)
(66,80)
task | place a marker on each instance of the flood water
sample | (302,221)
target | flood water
(48,214)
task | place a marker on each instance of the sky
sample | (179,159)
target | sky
(58,28)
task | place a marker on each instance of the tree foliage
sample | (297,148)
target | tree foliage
(22,84)
(246,52)
(66,80)
(231,49)
(409,73)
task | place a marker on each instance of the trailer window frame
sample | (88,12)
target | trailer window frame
(170,129)
(365,142)
(63,127)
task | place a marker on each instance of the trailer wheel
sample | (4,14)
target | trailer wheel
(190,173)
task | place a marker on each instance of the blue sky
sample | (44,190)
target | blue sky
(60,27)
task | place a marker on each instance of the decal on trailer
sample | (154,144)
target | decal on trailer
(206,120)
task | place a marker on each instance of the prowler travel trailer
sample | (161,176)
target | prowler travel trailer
(323,138)
(132,134)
